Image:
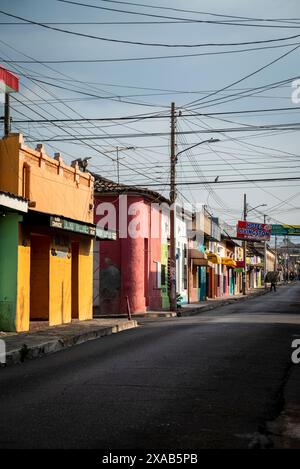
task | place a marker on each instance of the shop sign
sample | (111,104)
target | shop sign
(253,231)
(285,230)
(68,225)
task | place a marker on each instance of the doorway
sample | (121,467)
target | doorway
(39,277)
(202,283)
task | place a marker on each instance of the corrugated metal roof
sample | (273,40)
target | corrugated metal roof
(106,186)
(13,196)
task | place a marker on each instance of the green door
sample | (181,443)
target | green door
(201,283)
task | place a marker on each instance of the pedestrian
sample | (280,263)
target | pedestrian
(272,278)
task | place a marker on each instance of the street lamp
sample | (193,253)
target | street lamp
(261,205)
(211,140)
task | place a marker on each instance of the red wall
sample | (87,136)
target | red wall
(127,265)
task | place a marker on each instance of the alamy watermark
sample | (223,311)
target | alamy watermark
(296,353)
(2,352)
(131,220)
(296,91)
(2,92)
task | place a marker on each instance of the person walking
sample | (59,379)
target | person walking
(272,278)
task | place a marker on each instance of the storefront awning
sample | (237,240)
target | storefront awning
(13,202)
(228,261)
(202,262)
(214,258)
(196,254)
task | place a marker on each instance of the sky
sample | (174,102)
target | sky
(68,76)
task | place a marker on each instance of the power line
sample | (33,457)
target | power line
(164,57)
(289,126)
(192,103)
(243,94)
(171,22)
(147,117)
(151,44)
(235,181)
(192,20)
(245,18)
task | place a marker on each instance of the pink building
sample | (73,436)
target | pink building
(130,270)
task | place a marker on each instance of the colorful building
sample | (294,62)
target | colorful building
(46,249)
(181,234)
(131,271)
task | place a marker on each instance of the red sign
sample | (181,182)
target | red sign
(240,264)
(10,80)
(253,231)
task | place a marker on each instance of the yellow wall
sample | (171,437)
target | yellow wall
(60,285)
(85,280)
(52,186)
(59,279)
(23,289)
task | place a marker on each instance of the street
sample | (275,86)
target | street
(214,380)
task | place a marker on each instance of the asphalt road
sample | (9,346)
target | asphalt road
(208,381)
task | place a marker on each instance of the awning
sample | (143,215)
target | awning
(228,261)
(196,254)
(13,202)
(202,262)
(214,258)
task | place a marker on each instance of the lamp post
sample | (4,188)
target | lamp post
(265,252)
(173,161)
(246,211)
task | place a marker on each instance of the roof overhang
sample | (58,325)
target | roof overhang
(11,202)
(196,254)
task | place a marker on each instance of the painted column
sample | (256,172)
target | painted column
(132,269)
(85,280)
(8,270)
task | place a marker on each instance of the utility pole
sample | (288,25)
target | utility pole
(275,253)
(287,258)
(118,166)
(244,250)
(172,290)
(265,251)
(6,115)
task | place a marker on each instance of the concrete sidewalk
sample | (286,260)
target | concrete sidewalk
(192,309)
(197,308)
(33,344)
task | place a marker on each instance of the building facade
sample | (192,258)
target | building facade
(133,268)
(49,247)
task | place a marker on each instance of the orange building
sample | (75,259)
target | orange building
(48,251)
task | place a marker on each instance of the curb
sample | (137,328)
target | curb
(52,345)
(170,314)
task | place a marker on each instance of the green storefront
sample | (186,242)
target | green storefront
(11,209)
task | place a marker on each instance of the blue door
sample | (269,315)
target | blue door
(201,283)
